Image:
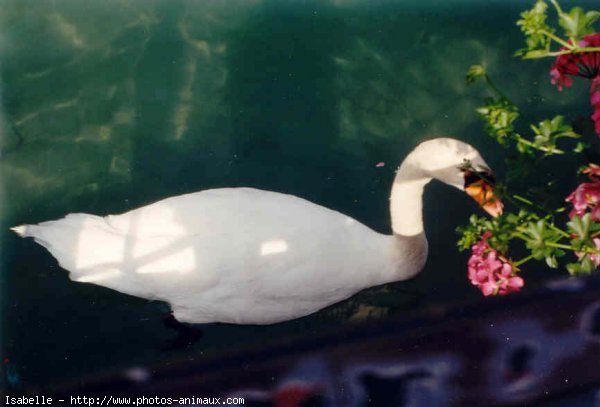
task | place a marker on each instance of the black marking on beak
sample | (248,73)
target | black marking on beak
(472,177)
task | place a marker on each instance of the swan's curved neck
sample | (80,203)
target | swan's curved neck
(406,200)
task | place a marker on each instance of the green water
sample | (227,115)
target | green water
(110,105)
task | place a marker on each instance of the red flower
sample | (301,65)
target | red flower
(584,64)
(595,100)
(560,78)
(490,272)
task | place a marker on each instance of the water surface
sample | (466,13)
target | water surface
(115,104)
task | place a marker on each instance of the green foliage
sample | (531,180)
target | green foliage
(499,116)
(533,24)
(471,233)
(539,36)
(577,23)
(532,225)
(475,73)
(541,239)
(584,266)
(548,132)
(539,235)
(582,230)
(501,229)
(536,224)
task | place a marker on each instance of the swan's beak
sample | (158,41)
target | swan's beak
(480,187)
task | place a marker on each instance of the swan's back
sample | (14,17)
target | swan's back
(230,246)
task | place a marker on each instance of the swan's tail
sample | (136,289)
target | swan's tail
(20,230)
(60,237)
(90,249)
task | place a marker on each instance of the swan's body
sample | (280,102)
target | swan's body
(248,256)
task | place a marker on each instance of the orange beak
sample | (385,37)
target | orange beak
(483,193)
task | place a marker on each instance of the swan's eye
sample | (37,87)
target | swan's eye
(472,177)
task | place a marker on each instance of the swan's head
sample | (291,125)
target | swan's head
(458,164)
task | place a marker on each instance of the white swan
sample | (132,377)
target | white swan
(247,256)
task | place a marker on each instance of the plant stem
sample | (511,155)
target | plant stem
(523,260)
(574,51)
(521,236)
(493,86)
(565,52)
(558,39)
(520,198)
(511,199)
(558,245)
(573,41)
(560,231)
(587,49)
(575,135)
(545,149)
(557,7)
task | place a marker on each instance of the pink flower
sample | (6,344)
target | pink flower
(584,64)
(490,272)
(593,171)
(586,197)
(596,257)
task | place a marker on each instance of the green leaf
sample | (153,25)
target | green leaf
(577,23)
(552,262)
(499,114)
(573,268)
(539,236)
(474,73)
(534,27)
(591,17)
(471,233)
(583,229)
(533,54)
(535,243)
(587,265)
(580,226)
(581,147)
(547,134)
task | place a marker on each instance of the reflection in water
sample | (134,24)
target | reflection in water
(99,84)
(145,241)
(66,29)
(542,355)
(273,247)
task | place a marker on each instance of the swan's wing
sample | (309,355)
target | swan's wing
(224,246)
(219,211)
(267,242)
(216,211)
